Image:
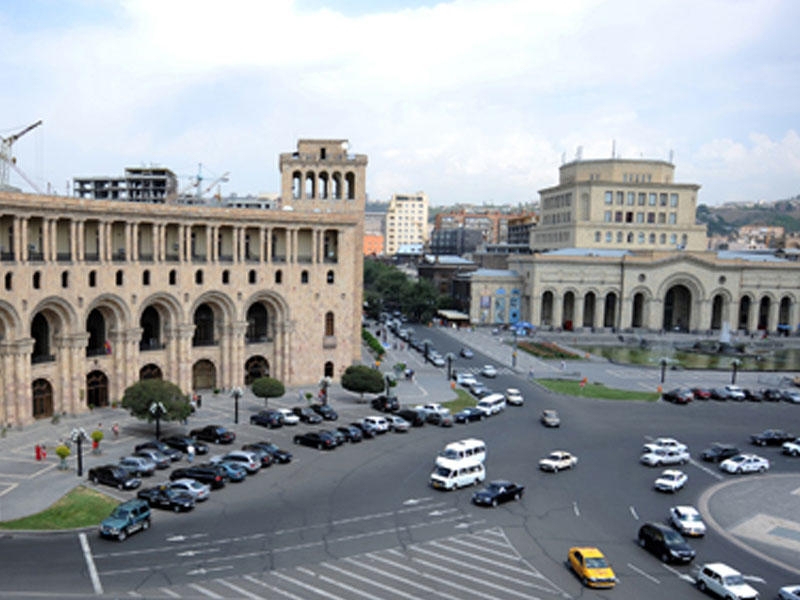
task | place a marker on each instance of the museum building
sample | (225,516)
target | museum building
(98,294)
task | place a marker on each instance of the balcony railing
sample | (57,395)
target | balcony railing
(6,256)
(150,345)
(91,256)
(257,339)
(35,256)
(226,258)
(197,343)
(42,358)
(64,256)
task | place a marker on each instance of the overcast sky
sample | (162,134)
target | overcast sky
(467,100)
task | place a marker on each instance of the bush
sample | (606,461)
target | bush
(268,387)
(97,436)
(62,451)
(373,343)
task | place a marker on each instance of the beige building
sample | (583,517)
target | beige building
(406,221)
(99,294)
(619,204)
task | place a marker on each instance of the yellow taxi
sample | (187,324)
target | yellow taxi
(591,567)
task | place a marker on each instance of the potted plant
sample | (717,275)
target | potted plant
(96,436)
(63,452)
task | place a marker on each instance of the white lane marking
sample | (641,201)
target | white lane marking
(470,524)
(365,580)
(643,574)
(530,566)
(439,513)
(575,509)
(448,580)
(405,581)
(87,556)
(169,592)
(705,469)
(305,586)
(239,590)
(206,592)
(183,538)
(272,588)
(412,501)
(204,571)
(633,512)
(196,552)
(755,578)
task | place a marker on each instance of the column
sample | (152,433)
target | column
(578,312)
(73,241)
(772,316)
(268,234)
(558,310)
(23,239)
(187,243)
(49,244)
(261,245)
(80,248)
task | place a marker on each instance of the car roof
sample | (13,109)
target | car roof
(721,568)
(685,508)
(588,551)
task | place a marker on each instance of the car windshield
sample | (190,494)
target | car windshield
(691,517)
(672,538)
(734,580)
(554,456)
(596,563)
(120,513)
(442,472)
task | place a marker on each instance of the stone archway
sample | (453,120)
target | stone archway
(96,389)
(743,322)
(677,308)
(204,375)
(150,371)
(610,310)
(254,368)
(637,318)
(589,303)
(568,311)
(763,313)
(547,309)
(717,311)
(42,399)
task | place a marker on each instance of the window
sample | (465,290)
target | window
(92,278)
(226,276)
(629,237)
(618,216)
(65,279)
(37,280)
(597,236)
(173,277)
(673,239)
(329,324)
(251,276)
(146,277)
(8,281)
(652,238)
(620,198)
(640,217)
(607,216)
(631,198)
(651,200)
(662,218)
(619,237)
(198,277)
(329,277)
(304,277)
(640,237)
(119,277)
(673,218)
(651,217)
(609,237)
(662,199)
(662,239)
(673,200)
(609,197)
(278,276)
(629,217)
(641,199)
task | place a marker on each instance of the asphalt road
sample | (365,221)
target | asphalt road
(362,522)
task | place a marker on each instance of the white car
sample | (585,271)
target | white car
(289,418)
(666,443)
(431,407)
(558,460)
(465,379)
(670,480)
(792,396)
(745,463)
(687,520)
(488,371)
(437,360)
(380,424)
(662,457)
(791,448)
(514,397)
(789,592)
(200,491)
(397,424)
(734,392)
(724,582)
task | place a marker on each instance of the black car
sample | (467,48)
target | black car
(182,443)
(215,434)
(719,452)
(385,403)
(278,455)
(337,435)
(413,416)
(307,415)
(169,499)
(439,419)
(773,395)
(321,440)
(161,447)
(351,433)
(212,475)
(679,396)
(267,418)
(665,542)
(498,492)
(263,456)
(719,393)
(466,353)
(115,476)
(367,431)
(753,395)
(325,411)
(469,414)
(771,437)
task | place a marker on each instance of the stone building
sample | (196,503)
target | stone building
(406,222)
(98,294)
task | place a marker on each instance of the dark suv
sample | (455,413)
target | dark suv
(665,542)
(719,452)
(386,403)
(115,476)
(307,415)
(267,418)
(129,517)
(212,475)
(216,434)
(325,411)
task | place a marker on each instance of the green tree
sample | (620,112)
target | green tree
(139,397)
(268,387)
(361,379)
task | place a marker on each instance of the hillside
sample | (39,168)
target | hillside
(721,220)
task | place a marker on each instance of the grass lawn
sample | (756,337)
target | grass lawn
(81,507)
(463,400)
(595,390)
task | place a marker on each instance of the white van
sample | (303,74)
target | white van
(492,404)
(464,453)
(450,479)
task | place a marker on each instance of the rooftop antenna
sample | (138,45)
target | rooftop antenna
(579,153)
(613,148)
(671,154)
(563,157)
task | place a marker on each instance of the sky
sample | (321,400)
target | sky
(469,101)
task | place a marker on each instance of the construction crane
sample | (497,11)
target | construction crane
(8,161)
(197,185)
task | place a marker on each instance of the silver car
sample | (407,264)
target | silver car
(200,491)
(137,465)
(398,424)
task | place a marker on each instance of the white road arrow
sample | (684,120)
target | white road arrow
(202,571)
(413,501)
(439,513)
(183,538)
(196,552)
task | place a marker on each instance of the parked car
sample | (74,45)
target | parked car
(431,407)
(789,592)
(380,424)
(670,480)
(267,418)
(367,430)
(497,492)
(158,458)
(264,457)
(792,396)
(771,437)
(316,439)
(234,472)
(724,582)
(701,393)
(687,520)
(413,416)
(719,452)
(753,395)
(550,418)
(307,415)
(215,434)
(658,457)
(206,473)
(436,359)
(665,542)
(791,448)
(337,435)
(182,443)
(591,567)
(398,424)
(665,443)
(385,403)
(466,353)
(162,496)
(127,518)
(558,460)
(489,371)
(745,463)
(289,418)
(773,395)
(735,392)
(200,491)
(278,455)
(465,379)
(351,433)
(719,393)
(173,454)
(678,396)
(514,397)
(469,414)
(325,411)
(138,465)
(440,419)
(115,476)
(249,460)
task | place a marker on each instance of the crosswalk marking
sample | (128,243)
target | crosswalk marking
(238,589)
(271,588)
(205,591)
(398,578)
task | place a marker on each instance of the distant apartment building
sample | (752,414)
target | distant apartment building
(492,223)
(139,184)
(373,244)
(406,221)
(619,204)
(457,241)
(757,237)
(520,229)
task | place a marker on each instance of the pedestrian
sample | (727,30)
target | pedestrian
(115,430)
(563,365)
(530,374)
(190,453)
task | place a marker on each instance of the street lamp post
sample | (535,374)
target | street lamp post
(450,358)
(663,369)
(237,393)
(735,364)
(514,352)
(77,436)
(427,344)
(158,410)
